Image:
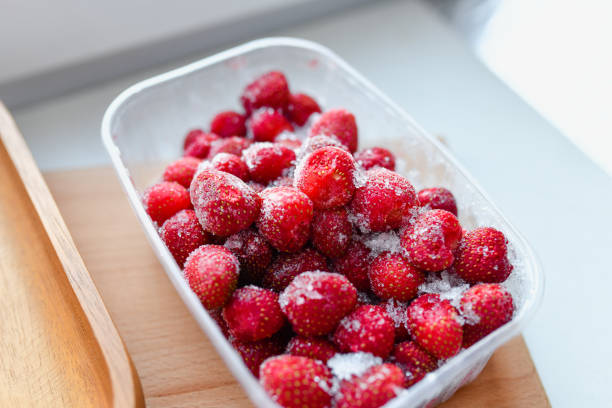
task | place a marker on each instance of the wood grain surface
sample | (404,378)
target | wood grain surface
(177,364)
(58,345)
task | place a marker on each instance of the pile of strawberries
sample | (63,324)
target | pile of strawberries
(304,249)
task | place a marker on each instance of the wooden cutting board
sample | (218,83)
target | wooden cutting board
(177,364)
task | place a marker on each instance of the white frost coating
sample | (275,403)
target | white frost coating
(345,366)
(447,285)
(301,289)
(397,311)
(383,242)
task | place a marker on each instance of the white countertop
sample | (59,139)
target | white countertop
(547,187)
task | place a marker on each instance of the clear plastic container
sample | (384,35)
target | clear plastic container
(144,127)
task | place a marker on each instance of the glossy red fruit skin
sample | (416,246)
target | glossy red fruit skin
(430,241)
(233,144)
(200,146)
(285,217)
(253,314)
(182,233)
(267,161)
(269,90)
(369,329)
(223,203)
(386,201)
(253,252)
(392,277)
(192,135)
(317,348)
(486,307)
(327,177)
(300,107)
(482,256)
(434,325)
(182,170)
(354,264)
(266,124)
(232,164)
(287,266)
(415,361)
(228,123)
(314,302)
(340,124)
(162,200)
(255,353)
(296,381)
(331,232)
(212,274)
(375,157)
(438,198)
(372,389)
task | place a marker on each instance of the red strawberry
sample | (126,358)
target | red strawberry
(327,177)
(191,136)
(430,241)
(485,307)
(285,218)
(200,146)
(257,187)
(375,157)
(300,107)
(434,325)
(162,200)
(266,124)
(318,142)
(415,361)
(253,252)
(312,347)
(289,140)
(397,312)
(218,318)
(482,256)
(369,329)
(182,170)
(338,123)
(438,198)
(314,302)
(182,233)
(255,353)
(331,232)
(270,90)
(228,123)
(288,266)
(223,203)
(233,144)
(385,202)
(267,161)
(296,381)
(232,164)
(392,277)
(355,264)
(253,314)
(372,389)
(212,273)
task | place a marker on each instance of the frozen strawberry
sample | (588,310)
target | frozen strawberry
(228,123)
(257,187)
(212,274)
(182,233)
(283,181)
(266,124)
(331,232)
(375,157)
(327,177)
(438,198)
(267,161)
(372,389)
(288,266)
(397,313)
(255,353)
(300,107)
(200,146)
(316,348)
(338,123)
(482,256)
(218,318)
(289,140)
(296,381)
(162,200)
(392,277)
(486,307)
(269,90)
(253,252)
(182,170)
(369,329)
(232,164)
(386,201)
(314,302)
(354,264)
(415,361)
(253,314)
(191,136)
(434,325)
(223,203)
(430,241)
(233,144)
(318,142)
(285,218)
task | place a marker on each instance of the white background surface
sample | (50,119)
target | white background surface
(547,187)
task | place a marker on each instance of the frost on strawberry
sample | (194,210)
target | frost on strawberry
(339,124)
(317,348)
(182,233)
(369,329)
(253,252)
(372,389)
(331,232)
(482,256)
(392,277)
(162,200)
(415,361)
(289,265)
(228,123)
